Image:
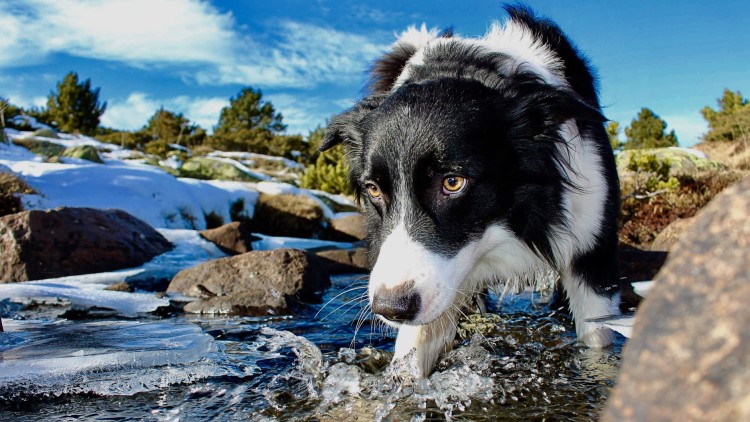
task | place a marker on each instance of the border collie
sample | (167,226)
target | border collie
(479,160)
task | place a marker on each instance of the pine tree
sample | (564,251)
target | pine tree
(647,131)
(613,131)
(249,123)
(75,106)
(732,121)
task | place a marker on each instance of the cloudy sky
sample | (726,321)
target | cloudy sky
(309,57)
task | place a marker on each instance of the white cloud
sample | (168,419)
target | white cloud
(304,55)
(135,31)
(181,32)
(134,112)
(689,127)
(301,115)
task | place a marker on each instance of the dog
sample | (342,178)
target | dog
(479,160)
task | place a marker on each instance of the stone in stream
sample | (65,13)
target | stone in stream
(71,241)
(253,283)
(233,238)
(689,357)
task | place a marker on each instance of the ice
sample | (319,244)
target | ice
(105,358)
(272,242)
(642,287)
(623,324)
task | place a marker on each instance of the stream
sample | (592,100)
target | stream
(524,365)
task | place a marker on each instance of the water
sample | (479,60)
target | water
(525,365)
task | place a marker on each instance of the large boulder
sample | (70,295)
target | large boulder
(689,356)
(71,241)
(671,234)
(234,238)
(288,215)
(254,283)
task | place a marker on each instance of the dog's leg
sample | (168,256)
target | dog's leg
(430,341)
(585,304)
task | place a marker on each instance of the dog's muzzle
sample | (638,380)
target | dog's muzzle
(397,304)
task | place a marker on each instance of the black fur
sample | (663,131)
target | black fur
(471,112)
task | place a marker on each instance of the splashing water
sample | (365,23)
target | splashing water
(525,364)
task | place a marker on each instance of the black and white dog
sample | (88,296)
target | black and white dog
(479,160)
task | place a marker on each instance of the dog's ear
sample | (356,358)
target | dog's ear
(386,70)
(572,106)
(345,127)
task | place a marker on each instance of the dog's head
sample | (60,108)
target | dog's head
(460,174)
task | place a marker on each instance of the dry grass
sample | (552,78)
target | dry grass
(10,186)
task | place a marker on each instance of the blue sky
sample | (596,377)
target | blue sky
(310,57)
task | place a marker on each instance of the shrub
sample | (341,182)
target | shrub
(330,173)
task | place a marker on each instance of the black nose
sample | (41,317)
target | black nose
(398,304)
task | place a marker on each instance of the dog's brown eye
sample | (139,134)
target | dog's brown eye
(373,190)
(453,184)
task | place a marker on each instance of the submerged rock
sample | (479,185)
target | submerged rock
(254,283)
(689,357)
(72,241)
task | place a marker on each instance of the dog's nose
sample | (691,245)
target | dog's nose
(398,304)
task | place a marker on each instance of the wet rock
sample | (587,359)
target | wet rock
(288,215)
(689,357)
(122,286)
(345,261)
(253,283)
(671,234)
(71,241)
(86,152)
(347,228)
(233,238)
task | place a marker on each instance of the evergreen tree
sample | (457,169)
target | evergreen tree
(647,131)
(732,120)
(613,131)
(248,124)
(314,139)
(173,128)
(75,106)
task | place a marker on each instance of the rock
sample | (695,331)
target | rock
(71,241)
(345,261)
(689,356)
(122,286)
(210,169)
(45,133)
(233,238)
(86,152)
(288,215)
(347,228)
(683,161)
(254,283)
(671,234)
(39,147)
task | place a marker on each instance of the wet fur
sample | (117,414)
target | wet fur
(517,114)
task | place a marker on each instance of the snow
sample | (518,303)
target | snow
(105,358)
(144,191)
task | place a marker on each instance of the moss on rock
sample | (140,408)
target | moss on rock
(86,152)
(210,169)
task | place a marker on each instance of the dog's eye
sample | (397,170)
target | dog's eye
(453,184)
(373,190)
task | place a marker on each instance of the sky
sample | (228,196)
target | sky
(310,57)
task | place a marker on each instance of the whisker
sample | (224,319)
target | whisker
(337,296)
